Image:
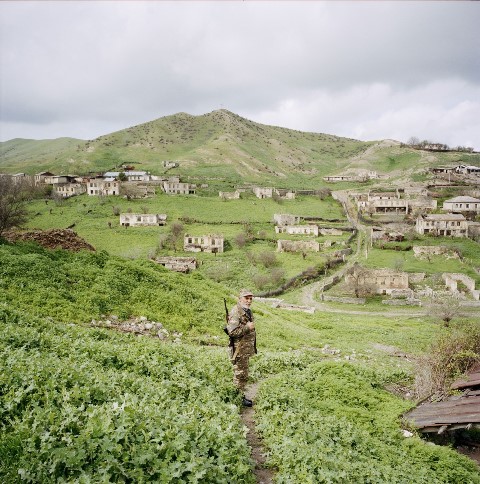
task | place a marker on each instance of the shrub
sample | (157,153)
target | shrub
(267,259)
(454,352)
(240,240)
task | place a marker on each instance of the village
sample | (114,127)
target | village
(384,216)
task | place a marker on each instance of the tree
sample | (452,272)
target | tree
(357,281)
(13,199)
(444,307)
(173,238)
(413,141)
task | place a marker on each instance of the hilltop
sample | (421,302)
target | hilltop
(224,146)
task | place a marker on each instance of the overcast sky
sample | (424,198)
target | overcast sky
(365,70)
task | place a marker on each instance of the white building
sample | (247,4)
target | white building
(462,204)
(203,243)
(144,219)
(286,219)
(297,229)
(103,186)
(178,188)
(131,175)
(449,224)
(67,190)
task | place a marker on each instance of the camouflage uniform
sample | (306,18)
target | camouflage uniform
(244,343)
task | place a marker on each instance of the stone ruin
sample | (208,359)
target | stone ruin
(178,264)
(451,282)
(425,251)
(297,246)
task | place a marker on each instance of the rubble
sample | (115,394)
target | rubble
(138,325)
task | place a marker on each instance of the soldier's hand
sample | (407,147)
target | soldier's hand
(251,325)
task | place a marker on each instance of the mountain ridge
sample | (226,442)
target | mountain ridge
(219,143)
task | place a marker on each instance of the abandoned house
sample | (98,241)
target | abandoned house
(67,190)
(142,219)
(462,204)
(269,192)
(381,281)
(340,178)
(103,186)
(427,251)
(297,246)
(263,192)
(396,205)
(178,264)
(45,177)
(443,169)
(424,204)
(330,232)
(468,170)
(297,229)
(131,175)
(178,188)
(452,281)
(449,224)
(285,193)
(203,243)
(285,219)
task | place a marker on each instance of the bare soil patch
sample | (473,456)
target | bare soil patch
(65,239)
(262,473)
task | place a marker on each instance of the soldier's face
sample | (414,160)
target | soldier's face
(247,301)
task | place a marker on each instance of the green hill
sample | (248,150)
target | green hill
(221,145)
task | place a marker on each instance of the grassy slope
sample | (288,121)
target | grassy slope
(77,287)
(207,214)
(32,156)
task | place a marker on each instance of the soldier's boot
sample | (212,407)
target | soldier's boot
(247,402)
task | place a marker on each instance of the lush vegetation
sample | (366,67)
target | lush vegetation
(78,287)
(332,422)
(83,404)
(88,405)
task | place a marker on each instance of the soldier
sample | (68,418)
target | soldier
(241,329)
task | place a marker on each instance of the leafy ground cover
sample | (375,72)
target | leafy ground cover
(75,399)
(76,287)
(88,405)
(332,423)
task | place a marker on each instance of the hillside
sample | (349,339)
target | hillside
(220,145)
(81,402)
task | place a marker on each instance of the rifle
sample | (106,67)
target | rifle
(231,343)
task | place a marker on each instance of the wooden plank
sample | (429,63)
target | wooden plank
(473,410)
(454,419)
(465,411)
(473,379)
(446,410)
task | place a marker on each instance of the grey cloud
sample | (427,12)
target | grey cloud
(108,63)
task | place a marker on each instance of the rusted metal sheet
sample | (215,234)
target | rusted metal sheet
(459,411)
(473,380)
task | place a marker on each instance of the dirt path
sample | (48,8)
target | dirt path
(308,299)
(262,474)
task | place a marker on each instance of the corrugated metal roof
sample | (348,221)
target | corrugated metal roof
(458,411)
